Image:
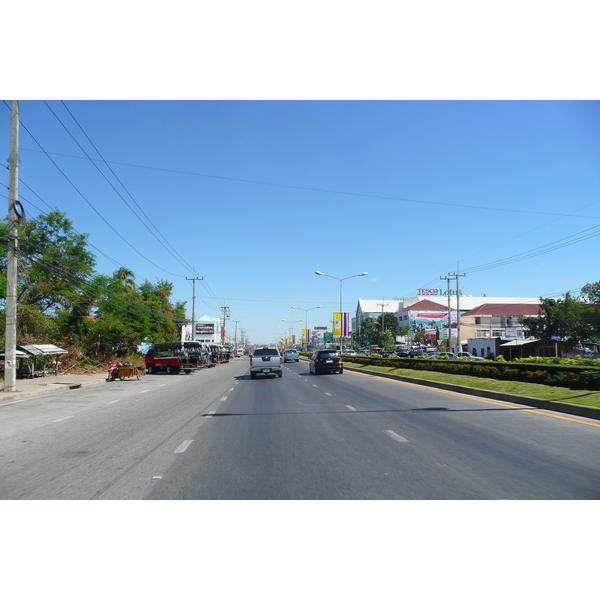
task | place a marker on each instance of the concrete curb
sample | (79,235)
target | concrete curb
(588,412)
(51,388)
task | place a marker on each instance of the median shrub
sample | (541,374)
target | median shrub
(574,374)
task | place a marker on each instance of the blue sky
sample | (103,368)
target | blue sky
(408,141)
(257,195)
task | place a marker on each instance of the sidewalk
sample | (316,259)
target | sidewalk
(38,386)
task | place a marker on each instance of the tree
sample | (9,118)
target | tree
(591,295)
(54,263)
(128,316)
(54,268)
(371,332)
(126,277)
(565,318)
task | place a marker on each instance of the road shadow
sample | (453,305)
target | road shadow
(358,412)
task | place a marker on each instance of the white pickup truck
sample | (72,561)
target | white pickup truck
(266,360)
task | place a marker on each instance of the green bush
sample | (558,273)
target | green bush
(568,373)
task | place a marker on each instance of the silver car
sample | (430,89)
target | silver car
(291,356)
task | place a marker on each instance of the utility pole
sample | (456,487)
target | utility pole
(10,337)
(193,280)
(226,315)
(235,337)
(457,276)
(449,314)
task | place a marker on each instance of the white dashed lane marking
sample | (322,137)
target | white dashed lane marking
(63,419)
(183,446)
(394,435)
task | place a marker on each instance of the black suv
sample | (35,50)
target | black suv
(326,361)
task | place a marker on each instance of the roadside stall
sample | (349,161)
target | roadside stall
(35,363)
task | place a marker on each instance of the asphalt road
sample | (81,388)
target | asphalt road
(217,434)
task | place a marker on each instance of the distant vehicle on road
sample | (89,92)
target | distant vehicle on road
(291,355)
(326,361)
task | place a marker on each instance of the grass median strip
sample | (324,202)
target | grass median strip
(532,390)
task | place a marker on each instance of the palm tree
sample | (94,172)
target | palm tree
(126,277)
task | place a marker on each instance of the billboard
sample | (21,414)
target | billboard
(433,324)
(205,328)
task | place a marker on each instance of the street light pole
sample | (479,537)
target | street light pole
(340,279)
(306,320)
(292,324)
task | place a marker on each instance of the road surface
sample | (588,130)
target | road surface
(217,434)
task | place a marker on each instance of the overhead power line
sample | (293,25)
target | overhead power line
(93,207)
(137,213)
(344,193)
(586,234)
(112,299)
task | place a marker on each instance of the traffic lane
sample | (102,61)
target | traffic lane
(527,453)
(270,441)
(278,440)
(112,450)
(30,413)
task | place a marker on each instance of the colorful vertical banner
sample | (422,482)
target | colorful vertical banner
(346,325)
(341,324)
(337,324)
(304,336)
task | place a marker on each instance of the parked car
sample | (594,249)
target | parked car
(291,355)
(469,356)
(350,352)
(326,361)
(446,355)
